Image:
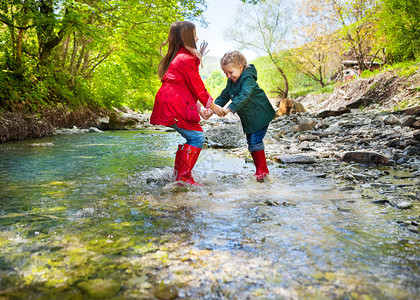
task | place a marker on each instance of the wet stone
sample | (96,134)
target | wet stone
(413,228)
(404,204)
(42,145)
(100,288)
(294,159)
(347,188)
(165,291)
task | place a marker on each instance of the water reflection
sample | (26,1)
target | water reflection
(103,207)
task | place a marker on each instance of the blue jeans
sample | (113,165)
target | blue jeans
(194,138)
(255,140)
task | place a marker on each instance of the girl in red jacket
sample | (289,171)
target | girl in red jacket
(176,102)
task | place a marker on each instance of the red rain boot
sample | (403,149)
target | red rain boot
(260,164)
(177,156)
(188,157)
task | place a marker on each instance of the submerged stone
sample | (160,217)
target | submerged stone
(165,291)
(42,145)
(100,288)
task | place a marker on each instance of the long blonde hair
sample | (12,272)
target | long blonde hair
(181,34)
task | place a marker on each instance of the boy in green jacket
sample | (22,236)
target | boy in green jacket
(251,104)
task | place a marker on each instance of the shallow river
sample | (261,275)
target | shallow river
(96,216)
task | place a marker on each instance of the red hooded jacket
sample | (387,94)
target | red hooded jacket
(176,100)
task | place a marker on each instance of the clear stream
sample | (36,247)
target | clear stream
(97,217)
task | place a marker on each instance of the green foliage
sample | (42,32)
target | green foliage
(406,68)
(399,29)
(76,52)
(269,79)
(301,92)
(210,64)
(404,104)
(215,83)
(44,87)
(328,89)
(368,73)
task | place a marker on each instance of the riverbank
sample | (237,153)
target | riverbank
(23,126)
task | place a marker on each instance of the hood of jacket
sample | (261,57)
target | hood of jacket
(250,71)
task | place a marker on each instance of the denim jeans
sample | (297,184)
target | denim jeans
(194,138)
(255,140)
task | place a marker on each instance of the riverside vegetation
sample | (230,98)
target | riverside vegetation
(69,57)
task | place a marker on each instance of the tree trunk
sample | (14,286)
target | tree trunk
(286,82)
(321,79)
(65,50)
(47,40)
(73,58)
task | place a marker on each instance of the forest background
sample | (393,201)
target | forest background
(72,53)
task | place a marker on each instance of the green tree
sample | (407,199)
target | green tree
(265,27)
(399,28)
(351,22)
(215,83)
(62,50)
(269,79)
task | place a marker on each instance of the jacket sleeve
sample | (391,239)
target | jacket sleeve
(248,86)
(195,83)
(223,98)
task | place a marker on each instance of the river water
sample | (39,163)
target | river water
(97,216)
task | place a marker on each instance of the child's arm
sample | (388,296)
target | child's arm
(223,98)
(245,94)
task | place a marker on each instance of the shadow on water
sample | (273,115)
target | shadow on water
(98,216)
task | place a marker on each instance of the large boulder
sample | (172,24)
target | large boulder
(119,122)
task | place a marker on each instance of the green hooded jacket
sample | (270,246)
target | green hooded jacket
(248,100)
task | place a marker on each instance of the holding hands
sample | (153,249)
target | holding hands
(218,110)
(206,113)
(226,111)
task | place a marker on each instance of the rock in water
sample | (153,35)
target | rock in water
(118,122)
(165,291)
(365,158)
(42,145)
(100,288)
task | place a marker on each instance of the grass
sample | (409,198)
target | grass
(404,104)
(404,69)
(313,90)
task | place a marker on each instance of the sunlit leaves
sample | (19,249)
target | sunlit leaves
(399,29)
(112,44)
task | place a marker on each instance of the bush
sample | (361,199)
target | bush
(33,90)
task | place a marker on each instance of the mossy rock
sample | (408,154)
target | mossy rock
(100,288)
(165,291)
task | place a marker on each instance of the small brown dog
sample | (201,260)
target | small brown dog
(288,106)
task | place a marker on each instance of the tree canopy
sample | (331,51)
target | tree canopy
(84,49)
